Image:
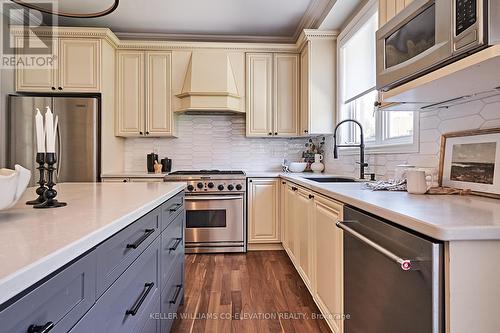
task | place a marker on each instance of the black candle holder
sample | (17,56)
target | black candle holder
(40,159)
(50,193)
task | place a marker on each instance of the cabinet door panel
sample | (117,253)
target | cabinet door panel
(263,211)
(34,78)
(328,254)
(130,93)
(304,91)
(259,94)
(79,65)
(286,94)
(290,218)
(159,93)
(303,236)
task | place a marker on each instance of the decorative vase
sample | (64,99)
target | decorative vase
(317,166)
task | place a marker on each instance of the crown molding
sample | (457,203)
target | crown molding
(168,45)
(204,38)
(313,16)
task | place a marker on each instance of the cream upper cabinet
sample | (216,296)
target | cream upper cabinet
(263,210)
(143,96)
(328,260)
(79,65)
(35,79)
(76,67)
(158,93)
(272,94)
(389,8)
(130,116)
(286,94)
(317,86)
(259,94)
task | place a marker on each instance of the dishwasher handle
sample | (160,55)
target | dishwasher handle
(405,264)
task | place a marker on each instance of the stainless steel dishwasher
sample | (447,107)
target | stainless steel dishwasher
(393,278)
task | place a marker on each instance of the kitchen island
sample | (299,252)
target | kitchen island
(106,228)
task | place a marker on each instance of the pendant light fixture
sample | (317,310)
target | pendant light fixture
(104,12)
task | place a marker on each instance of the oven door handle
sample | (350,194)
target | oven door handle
(221,197)
(406,264)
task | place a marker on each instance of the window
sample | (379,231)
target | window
(384,131)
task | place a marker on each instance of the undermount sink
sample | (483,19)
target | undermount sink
(331,179)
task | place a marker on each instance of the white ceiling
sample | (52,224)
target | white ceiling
(276,18)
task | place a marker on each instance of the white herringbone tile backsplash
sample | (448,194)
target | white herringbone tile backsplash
(213,142)
(219,142)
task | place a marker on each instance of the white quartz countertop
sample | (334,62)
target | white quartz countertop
(37,242)
(443,217)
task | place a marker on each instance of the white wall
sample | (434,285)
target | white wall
(473,115)
(213,142)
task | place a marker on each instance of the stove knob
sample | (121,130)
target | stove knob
(190,188)
(199,185)
(210,185)
(220,187)
(239,187)
(230,187)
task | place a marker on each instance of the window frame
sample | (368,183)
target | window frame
(381,144)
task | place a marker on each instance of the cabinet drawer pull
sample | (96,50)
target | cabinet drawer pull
(138,303)
(41,329)
(311,196)
(176,245)
(138,242)
(294,188)
(175,207)
(178,289)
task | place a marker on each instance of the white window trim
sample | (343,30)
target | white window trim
(388,147)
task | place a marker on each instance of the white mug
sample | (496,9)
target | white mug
(417,181)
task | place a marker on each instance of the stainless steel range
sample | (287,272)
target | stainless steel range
(215,210)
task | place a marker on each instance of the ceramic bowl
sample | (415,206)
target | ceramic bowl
(13,184)
(297,166)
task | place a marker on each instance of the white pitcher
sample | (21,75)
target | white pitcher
(317,166)
(13,184)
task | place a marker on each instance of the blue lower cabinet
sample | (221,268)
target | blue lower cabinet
(126,305)
(55,305)
(172,247)
(172,296)
(115,254)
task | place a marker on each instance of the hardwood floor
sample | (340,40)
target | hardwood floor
(254,292)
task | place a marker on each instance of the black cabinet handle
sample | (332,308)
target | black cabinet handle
(141,239)
(53,88)
(178,289)
(176,245)
(306,131)
(270,133)
(283,183)
(147,133)
(177,206)
(275,133)
(294,188)
(250,181)
(60,88)
(41,329)
(311,196)
(138,303)
(140,133)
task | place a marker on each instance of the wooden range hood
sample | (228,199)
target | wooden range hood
(209,85)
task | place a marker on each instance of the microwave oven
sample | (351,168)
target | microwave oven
(429,34)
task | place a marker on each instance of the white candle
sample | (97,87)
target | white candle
(49,131)
(40,134)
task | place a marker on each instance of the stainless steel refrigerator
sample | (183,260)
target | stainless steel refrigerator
(78,136)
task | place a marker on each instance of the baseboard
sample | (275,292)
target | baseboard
(265,247)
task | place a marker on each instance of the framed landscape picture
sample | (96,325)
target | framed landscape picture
(471,160)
